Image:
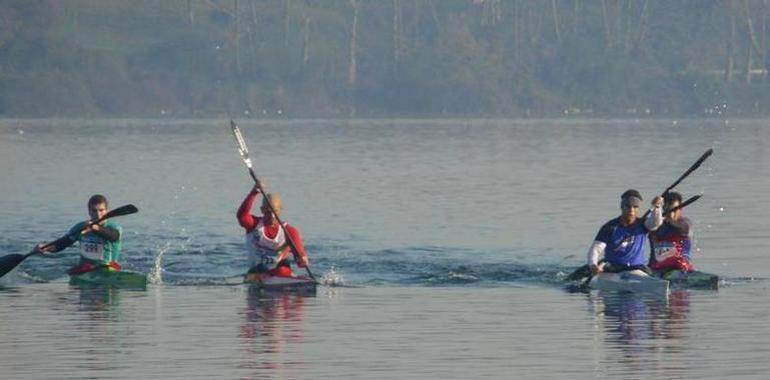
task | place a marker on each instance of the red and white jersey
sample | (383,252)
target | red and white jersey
(261,248)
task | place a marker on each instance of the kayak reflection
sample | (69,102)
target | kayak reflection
(634,324)
(98,298)
(272,323)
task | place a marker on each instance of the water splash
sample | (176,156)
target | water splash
(155,276)
(332,277)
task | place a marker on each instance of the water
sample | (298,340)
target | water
(451,239)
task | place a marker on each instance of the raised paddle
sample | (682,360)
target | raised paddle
(692,168)
(585,271)
(244,152)
(8,262)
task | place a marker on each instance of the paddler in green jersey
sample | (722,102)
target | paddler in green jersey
(100,243)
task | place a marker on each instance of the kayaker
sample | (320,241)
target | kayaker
(266,243)
(621,240)
(100,243)
(670,244)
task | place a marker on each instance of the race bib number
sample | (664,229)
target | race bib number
(664,252)
(93,250)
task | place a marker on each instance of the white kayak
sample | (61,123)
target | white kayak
(635,281)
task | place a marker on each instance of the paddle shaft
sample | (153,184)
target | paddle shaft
(684,204)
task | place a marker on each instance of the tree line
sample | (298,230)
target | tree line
(384,58)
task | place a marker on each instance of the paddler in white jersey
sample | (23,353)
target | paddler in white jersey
(266,242)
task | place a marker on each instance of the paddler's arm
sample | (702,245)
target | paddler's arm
(55,246)
(65,241)
(107,233)
(245,219)
(655,217)
(300,256)
(596,250)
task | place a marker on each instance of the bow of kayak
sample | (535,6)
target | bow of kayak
(272,283)
(635,281)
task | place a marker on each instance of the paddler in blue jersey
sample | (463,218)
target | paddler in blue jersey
(621,240)
(100,243)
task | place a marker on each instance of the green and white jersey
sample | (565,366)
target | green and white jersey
(95,248)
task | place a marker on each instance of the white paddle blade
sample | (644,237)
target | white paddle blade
(242,149)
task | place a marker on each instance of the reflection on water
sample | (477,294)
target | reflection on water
(99,298)
(271,322)
(98,327)
(635,317)
(641,330)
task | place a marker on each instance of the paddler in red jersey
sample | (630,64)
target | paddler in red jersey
(266,242)
(671,243)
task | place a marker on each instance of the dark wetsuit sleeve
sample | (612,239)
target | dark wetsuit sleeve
(245,219)
(62,243)
(681,226)
(108,233)
(604,235)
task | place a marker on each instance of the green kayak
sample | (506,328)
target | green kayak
(691,280)
(110,277)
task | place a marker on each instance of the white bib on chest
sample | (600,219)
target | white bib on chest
(92,247)
(262,249)
(664,250)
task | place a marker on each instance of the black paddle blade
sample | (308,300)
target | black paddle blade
(705,156)
(120,211)
(8,262)
(579,273)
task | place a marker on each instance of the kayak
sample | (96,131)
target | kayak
(635,281)
(691,280)
(110,277)
(272,283)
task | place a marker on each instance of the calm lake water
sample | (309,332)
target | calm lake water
(445,244)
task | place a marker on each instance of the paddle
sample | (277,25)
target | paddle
(8,262)
(244,152)
(684,204)
(692,168)
(585,270)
